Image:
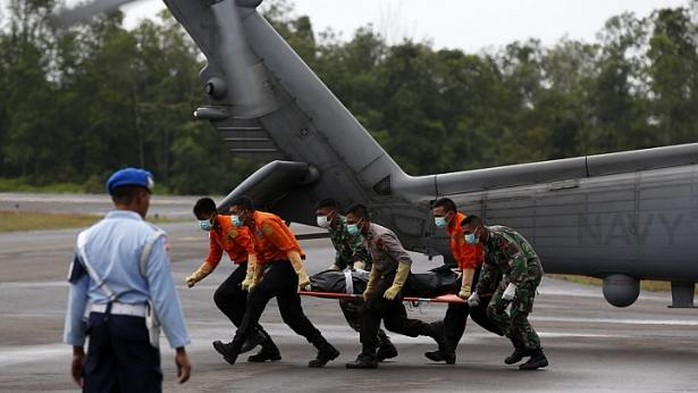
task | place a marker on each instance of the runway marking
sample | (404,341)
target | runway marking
(652,322)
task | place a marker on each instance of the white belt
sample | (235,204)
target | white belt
(136,310)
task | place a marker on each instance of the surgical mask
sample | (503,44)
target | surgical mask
(470,238)
(236,221)
(205,225)
(440,222)
(353,229)
(323,222)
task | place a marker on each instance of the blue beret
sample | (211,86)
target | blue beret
(130,177)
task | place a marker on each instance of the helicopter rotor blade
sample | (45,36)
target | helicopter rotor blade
(70,16)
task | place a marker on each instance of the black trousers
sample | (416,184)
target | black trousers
(279,281)
(119,356)
(393,315)
(457,317)
(230,298)
(353,314)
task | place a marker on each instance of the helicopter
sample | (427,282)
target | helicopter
(622,217)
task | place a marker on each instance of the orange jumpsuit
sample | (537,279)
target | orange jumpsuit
(468,256)
(273,239)
(237,242)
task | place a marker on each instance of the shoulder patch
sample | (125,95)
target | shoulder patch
(379,242)
(266,229)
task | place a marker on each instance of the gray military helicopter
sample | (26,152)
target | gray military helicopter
(623,217)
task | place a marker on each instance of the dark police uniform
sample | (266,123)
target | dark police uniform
(386,253)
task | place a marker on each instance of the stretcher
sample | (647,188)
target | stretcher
(450,298)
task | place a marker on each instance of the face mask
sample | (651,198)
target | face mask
(323,222)
(205,225)
(470,238)
(353,229)
(236,221)
(440,222)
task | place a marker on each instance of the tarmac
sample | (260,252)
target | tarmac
(592,346)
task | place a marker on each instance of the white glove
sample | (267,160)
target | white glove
(509,292)
(474,300)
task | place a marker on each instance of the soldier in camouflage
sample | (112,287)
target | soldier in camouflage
(509,254)
(351,253)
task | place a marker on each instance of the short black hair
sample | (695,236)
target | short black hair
(244,202)
(327,202)
(471,220)
(124,195)
(204,206)
(359,211)
(446,203)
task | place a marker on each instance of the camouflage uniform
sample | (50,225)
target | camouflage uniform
(509,254)
(349,250)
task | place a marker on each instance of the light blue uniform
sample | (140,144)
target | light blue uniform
(114,248)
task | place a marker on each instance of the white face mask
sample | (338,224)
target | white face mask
(323,222)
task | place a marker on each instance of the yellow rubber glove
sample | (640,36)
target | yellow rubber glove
(371,284)
(250,280)
(297,263)
(403,271)
(359,265)
(466,284)
(204,270)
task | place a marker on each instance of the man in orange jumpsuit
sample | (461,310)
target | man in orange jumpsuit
(469,259)
(279,273)
(231,296)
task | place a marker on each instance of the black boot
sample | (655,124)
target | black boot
(269,350)
(519,353)
(255,339)
(537,360)
(364,361)
(227,350)
(325,353)
(445,353)
(386,349)
(516,356)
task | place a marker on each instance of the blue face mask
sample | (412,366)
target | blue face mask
(236,221)
(353,229)
(205,225)
(440,222)
(470,238)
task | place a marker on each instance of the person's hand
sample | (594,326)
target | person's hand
(204,270)
(303,280)
(77,366)
(366,294)
(464,294)
(183,365)
(392,292)
(510,292)
(334,268)
(249,283)
(360,265)
(474,300)
(191,280)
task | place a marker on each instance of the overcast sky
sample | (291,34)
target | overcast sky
(466,24)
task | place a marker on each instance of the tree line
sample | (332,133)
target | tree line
(75,104)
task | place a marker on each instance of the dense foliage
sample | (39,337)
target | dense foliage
(76,104)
